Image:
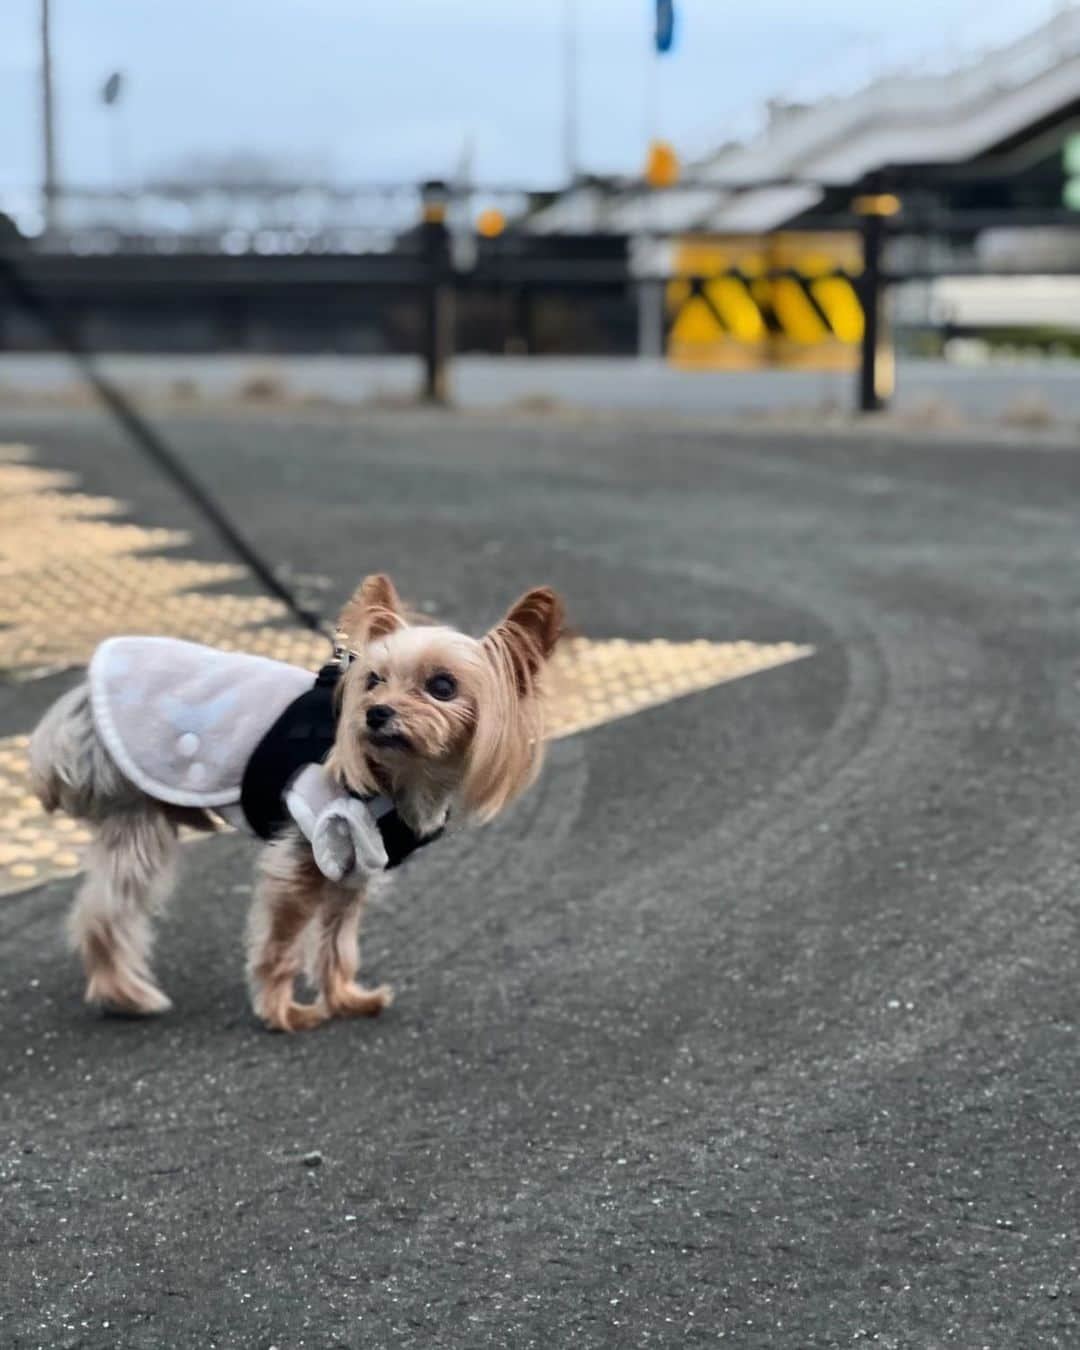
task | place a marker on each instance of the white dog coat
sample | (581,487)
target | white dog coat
(182,720)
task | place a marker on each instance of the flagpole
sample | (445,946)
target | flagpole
(660,170)
(652,95)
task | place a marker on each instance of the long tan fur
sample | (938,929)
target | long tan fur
(471,752)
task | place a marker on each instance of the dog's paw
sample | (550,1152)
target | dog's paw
(131,997)
(287,1015)
(353,1000)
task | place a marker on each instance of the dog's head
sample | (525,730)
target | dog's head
(429,713)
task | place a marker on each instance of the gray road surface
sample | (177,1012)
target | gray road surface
(1023,392)
(756,1023)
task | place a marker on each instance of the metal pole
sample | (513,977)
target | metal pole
(870,286)
(570,93)
(650,307)
(438,336)
(875,362)
(118,143)
(50,188)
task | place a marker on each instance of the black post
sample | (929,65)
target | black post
(870,398)
(438,337)
(875,370)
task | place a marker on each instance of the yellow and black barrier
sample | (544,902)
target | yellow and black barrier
(744,302)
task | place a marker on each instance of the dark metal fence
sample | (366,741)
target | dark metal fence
(422,299)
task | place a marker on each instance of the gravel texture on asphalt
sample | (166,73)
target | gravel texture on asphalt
(754,1023)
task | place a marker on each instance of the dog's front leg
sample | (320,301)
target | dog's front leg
(337,956)
(288,894)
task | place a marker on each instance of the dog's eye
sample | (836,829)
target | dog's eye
(442,687)
(373,679)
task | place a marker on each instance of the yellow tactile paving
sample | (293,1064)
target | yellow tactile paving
(66,607)
(34,847)
(78,539)
(29,510)
(22,476)
(592,682)
(73,577)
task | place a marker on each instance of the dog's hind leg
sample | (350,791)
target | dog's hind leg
(131,870)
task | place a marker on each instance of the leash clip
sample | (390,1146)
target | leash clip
(343,657)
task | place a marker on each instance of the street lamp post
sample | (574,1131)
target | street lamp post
(111,91)
(570,92)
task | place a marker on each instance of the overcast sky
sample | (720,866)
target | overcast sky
(392,90)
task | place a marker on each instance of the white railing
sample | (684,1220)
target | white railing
(795,139)
(835,134)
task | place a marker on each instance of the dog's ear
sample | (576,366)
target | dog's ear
(374,610)
(528,634)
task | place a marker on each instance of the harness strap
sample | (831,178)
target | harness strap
(302,735)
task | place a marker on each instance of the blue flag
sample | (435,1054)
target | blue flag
(665,25)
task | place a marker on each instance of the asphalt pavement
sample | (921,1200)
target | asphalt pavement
(1035,392)
(755,1023)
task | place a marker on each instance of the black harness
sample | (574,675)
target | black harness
(304,734)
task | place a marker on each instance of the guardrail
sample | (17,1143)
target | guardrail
(423,268)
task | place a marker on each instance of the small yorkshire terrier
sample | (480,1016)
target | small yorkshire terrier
(425,719)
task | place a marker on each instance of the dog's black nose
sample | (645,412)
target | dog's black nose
(379,715)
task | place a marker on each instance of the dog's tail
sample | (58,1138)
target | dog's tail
(55,759)
(70,769)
